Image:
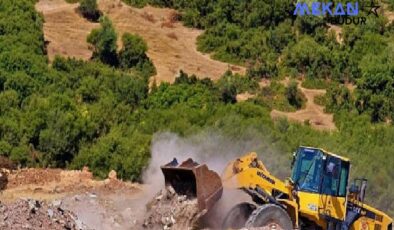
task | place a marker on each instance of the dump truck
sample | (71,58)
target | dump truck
(317,195)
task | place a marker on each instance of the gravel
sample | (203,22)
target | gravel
(37,215)
(168,210)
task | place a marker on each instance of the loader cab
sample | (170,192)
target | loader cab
(317,171)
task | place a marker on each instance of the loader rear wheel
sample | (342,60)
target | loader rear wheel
(270,215)
(238,215)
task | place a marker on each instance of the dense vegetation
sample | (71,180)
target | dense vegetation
(272,42)
(99,113)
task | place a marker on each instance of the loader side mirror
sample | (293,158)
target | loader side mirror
(363,190)
(359,187)
(293,160)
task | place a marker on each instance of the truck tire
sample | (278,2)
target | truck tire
(268,214)
(238,215)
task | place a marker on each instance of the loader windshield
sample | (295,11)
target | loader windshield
(307,169)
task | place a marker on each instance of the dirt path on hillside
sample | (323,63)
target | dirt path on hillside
(172,46)
(389,14)
(313,112)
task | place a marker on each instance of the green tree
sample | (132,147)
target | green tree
(338,97)
(89,10)
(104,44)
(294,96)
(21,83)
(307,56)
(133,51)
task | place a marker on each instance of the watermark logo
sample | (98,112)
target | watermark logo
(326,8)
(337,13)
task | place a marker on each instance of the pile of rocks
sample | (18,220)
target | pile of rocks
(33,214)
(169,210)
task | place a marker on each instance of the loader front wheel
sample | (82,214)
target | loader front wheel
(238,215)
(270,215)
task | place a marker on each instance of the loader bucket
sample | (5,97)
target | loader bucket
(194,181)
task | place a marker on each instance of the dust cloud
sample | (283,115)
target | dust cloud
(205,148)
(216,151)
(212,149)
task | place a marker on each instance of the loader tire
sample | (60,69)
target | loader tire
(268,214)
(238,215)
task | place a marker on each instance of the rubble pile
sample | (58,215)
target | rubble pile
(169,210)
(33,214)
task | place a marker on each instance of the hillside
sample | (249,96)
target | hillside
(98,109)
(312,113)
(172,46)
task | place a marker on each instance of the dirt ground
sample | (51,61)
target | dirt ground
(389,14)
(55,198)
(313,112)
(65,30)
(98,204)
(244,96)
(172,46)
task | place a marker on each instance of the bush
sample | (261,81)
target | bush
(133,51)
(104,44)
(89,10)
(294,96)
(337,98)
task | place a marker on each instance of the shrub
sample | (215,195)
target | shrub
(133,51)
(294,96)
(89,10)
(104,44)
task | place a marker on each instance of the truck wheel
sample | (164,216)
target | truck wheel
(238,215)
(270,215)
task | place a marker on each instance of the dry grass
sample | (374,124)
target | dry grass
(173,16)
(167,24)
(172,35)
(149,17)
(244,96)
(66,32)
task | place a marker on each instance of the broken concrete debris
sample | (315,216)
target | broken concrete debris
(34,214)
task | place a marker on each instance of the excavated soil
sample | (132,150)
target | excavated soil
(171,46)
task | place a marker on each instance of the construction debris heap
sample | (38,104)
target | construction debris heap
(33,214)
(169,210)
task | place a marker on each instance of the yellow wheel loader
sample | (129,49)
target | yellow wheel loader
(318,194)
